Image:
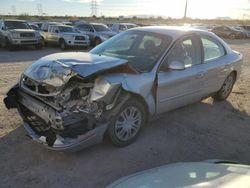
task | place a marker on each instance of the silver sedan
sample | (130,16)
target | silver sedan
(70,100)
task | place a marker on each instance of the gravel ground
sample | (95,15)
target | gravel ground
(205,130)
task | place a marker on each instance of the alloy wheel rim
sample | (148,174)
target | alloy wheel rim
(227,86)
(128,123)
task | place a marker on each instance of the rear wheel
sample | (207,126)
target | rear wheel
(226,88)
(127,124)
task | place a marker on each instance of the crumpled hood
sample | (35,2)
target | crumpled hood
(57,69)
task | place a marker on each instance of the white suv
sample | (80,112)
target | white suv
(18,33)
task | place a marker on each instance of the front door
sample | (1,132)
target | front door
(180,87)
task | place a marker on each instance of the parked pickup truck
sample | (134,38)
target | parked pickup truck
(18,33)
(65,36)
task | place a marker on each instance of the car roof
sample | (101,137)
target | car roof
(173,31)
(15,20)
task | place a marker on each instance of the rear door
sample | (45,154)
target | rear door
(177,88)
(216,64)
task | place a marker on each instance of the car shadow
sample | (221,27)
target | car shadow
(201,131)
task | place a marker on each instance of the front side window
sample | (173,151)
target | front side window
(185,51)
(141,49)
(212,49)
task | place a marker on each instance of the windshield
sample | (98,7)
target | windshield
(100,28)
(64,29)
(141,49)
(16,25)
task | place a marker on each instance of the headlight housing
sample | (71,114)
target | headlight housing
(101,88)
(15,35)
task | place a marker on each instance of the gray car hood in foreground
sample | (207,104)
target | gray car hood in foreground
(196,174)
(57,69)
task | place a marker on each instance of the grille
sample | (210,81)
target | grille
(36,123)
(28,41)
(36,87)
(27,34)
(79,38)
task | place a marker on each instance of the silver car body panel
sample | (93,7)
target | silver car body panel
(192,174)
(160,90)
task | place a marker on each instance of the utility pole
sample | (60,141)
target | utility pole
(185,13)
(93,8)
(39,9)
(13,10)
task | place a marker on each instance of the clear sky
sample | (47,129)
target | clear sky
(173,8)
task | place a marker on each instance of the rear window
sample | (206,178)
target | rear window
(212,49)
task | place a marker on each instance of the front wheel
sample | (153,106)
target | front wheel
(127,124)
(232,36)
(39,46)
(97,41)
(10,46)
(226,88)
(63,45)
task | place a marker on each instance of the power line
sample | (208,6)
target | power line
(93,7)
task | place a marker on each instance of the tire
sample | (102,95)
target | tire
(97,41)
(9,46)
(62,44)
(226,88)
(38,46)
(232,36)
(119,128)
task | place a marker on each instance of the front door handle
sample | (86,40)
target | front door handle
(200,74)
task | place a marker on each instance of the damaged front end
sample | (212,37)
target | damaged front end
(62,109)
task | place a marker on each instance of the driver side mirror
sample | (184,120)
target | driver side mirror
(176,65)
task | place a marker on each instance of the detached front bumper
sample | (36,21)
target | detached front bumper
(90,138)
(18,99)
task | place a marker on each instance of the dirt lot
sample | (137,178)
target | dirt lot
(205,130)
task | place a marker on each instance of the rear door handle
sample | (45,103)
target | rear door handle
(200,74)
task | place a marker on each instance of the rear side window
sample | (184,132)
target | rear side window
(212,49)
